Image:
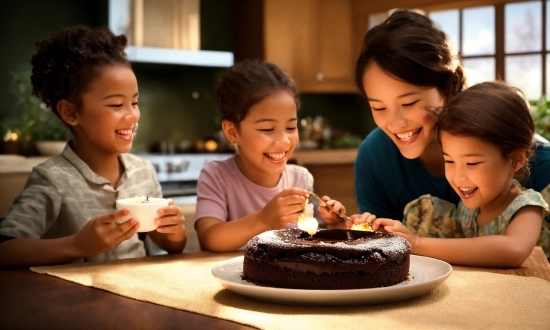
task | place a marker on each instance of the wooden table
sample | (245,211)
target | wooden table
(31,300)
(536,266)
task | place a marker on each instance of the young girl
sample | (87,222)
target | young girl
(255,190)
(486,134)
(406,68)
(66,211)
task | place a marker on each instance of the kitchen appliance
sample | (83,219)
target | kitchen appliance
(178,173)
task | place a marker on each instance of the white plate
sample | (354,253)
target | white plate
(425,274)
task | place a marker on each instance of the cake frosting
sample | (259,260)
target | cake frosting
(330,259)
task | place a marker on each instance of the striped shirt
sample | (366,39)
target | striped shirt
(63,194)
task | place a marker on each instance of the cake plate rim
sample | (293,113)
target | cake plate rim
(425,274)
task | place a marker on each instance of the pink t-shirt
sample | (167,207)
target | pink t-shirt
(224,193)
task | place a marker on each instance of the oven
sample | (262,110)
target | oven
(178,173)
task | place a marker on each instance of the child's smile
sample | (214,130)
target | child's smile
(477,171)
(267,137)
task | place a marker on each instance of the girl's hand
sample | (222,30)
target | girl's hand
(102,234)
(395,227)
(283,208)
(171,222)
(332,219)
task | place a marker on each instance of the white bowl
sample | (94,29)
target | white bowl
(144,211)
(50,148)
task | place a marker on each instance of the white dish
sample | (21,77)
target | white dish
(425,274)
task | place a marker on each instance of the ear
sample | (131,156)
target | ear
(518,159)
(67,112)
(230,131)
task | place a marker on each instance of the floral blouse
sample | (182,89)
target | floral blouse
(430,216)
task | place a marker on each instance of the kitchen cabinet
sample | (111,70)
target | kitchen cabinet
(332,172)
(313,41)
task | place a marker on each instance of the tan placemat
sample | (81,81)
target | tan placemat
(466,300)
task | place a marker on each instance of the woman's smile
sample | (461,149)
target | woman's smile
(409,136)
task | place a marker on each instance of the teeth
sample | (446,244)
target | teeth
(276,156)
(408,135)
(467,191)
(125,132)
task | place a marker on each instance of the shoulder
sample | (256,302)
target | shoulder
(528,197)
(220,173)
(220,167)
(135,160)
(297,169)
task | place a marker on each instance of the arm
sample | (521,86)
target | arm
(508,250)
(219,236)
(171,235)
(99,235)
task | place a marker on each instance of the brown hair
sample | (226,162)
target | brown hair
(409,47)
(493,112)
(66,63)
(247,83)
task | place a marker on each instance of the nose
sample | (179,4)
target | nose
(133,112)
(396,120)
(282,141)
(459,174)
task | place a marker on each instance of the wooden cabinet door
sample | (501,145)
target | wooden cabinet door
(312,41)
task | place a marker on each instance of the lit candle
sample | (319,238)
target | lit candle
(306,221)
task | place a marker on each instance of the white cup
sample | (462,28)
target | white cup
(143,209)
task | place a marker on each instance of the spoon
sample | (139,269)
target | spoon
(322,202)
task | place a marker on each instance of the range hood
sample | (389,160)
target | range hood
(179,56)
(166,32)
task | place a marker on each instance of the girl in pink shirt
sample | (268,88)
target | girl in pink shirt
(255,190)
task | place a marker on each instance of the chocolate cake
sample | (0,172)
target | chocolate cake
(333,259)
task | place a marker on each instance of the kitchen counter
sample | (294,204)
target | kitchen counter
(14,171)
(324,156)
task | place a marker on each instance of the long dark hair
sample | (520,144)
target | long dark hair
(410,48)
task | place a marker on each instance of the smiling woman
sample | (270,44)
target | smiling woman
(401,159)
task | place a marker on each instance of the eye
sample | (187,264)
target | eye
(448,161)
(292,128)
(410,104)
(115,105)
(266,130)
(473,164)
(377,109)
(135,104)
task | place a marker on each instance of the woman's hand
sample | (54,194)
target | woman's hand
(332,219)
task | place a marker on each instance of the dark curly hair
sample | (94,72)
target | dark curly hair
(247,83)
(493,112)
(66,63)
(409,47)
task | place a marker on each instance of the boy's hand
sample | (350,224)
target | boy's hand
(171,222)
(102,234)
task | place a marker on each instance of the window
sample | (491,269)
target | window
(503,41)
